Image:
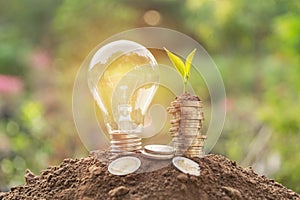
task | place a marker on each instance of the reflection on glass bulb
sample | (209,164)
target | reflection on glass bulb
(123,77)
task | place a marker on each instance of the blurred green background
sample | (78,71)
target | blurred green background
(255,44)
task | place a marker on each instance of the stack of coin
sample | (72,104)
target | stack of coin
(186,125)
(124,142)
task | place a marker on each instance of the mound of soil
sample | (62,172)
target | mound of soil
(88,178)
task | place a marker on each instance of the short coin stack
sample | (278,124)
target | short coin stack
(124,142)
(186,124)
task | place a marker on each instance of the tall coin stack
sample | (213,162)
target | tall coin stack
(186,125)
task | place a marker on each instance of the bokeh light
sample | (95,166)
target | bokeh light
(152,17)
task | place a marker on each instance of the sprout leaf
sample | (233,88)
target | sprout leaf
(183,69)
(188,63)
(177,62)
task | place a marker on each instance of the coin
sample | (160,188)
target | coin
(159,149)
(174,121)
(194,114)
(127,141)
(199,117)
(120,148)
(189,129)
(124,165)
(201,137)
(190,110)
(173,129)
(180,134)
(191,104)
(125,145)
(172,110)
(121,142)
(186,165)
(189,121)
(182,138)
(156,156)
(195,146)
(198,140)
(189,132)
(122,136)
(181,144)
(193,155)
(190,125)
(175,104)
(194,151)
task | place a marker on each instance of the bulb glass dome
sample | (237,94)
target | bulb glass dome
(123,77)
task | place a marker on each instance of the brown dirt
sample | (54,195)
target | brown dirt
(187,97)
(88,178)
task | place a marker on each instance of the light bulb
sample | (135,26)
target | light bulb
(123,77)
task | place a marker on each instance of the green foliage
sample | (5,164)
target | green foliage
(23,133)
(255,45)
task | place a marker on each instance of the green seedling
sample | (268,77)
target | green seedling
(183,69)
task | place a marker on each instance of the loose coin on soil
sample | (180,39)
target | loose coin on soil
(159,149)
(186,166)
(124,165)
(156,156)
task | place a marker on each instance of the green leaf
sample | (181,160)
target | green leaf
(177,62)
(188,63)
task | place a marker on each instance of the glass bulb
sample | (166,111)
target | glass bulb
(123,77)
